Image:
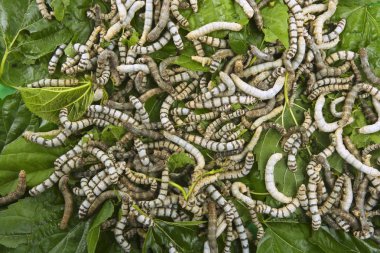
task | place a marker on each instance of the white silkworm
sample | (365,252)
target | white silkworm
(211,27)
(319,118)
(160,43)
(336,32)
(246,7)
(269,179)
(214,42)
(148,21)
(349,158)
(55,58)
(276,111)
(219,101)
(261,94)
(320,20)
(254,70)
(133,68)
(213,145)
(375,127)
(43,9)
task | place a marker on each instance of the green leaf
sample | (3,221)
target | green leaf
(5,91)
(179,160)
(153,105)
(36,160)
(215,10)
(286,237)
(15,118)
(184,237)
(59,7)
(111,134)
(46,102)
(239,41)
(32,223)
(93,234)
(276,23)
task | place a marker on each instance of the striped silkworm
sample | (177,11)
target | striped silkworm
(177,40)
(214,146)
(214,42)
(57,141)
(369,114)
(320,20)
(212,227)
(211,27)
(220,101)
(68,198)
(333,197)
(340,55)
(18,192)
(52,65)
(246,7)
(53,83)
(174,4)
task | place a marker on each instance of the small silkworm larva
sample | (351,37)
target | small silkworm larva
(176,14)
(220,101)
(211,27)
(68,197)
(214,146)
(293,38)
(214,42)
(202,60)
(198,48)
(162,21)
(18,192)
(328,89)
(319,118)
(282,212)
(366,68)
(333,106)
(133,68)
(269,179)
(296,10)
(313,205)
(118,231)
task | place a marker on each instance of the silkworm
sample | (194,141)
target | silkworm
(219,101)
(162,21)
(63,187)
(369,114)
(366,68)
(349,158)
(53,83)
(248,163)
(319,118)
(212,227)
(214,146)
(254,70)
(211,27)
(313,205)
(177,15)
(267,94)
(296,10)
(44,9)
(282,212)
(336,32)
(177,40)
(118,231)
(328,89)
(293,38)
(228,208)
(144,117)
(214,42)
(18,192)
(269,179)
(375,127)
(57,141)
(55,58)
(320,20)
(246,7)
(276,111)
(333,197)
(340,55)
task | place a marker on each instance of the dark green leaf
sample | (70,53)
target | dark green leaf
(15,118)
(93,234)
(5,91)
(32,224)
(179,160)
(239,41)
(36,160)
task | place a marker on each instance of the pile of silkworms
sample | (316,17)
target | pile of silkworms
(199,113)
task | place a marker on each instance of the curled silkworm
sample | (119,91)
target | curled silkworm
(211,27)
(67,196)
(336,32)
(375,127)
(269,179)
(320,20)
